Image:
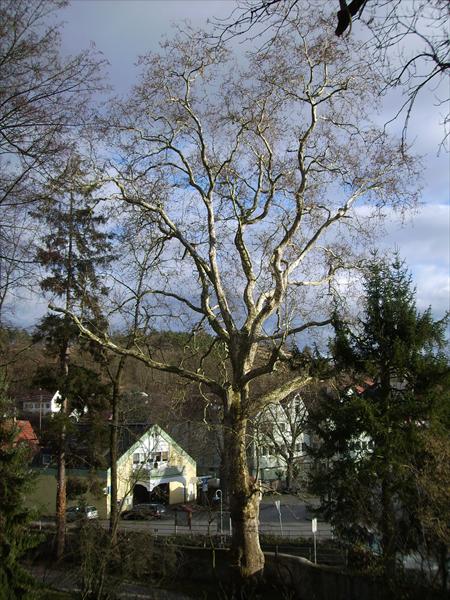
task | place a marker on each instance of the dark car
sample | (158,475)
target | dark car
(77,512)
(145,511)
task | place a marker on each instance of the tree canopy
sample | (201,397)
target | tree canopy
(376,429)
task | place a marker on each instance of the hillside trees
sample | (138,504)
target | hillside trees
(246,170)
(377,444)
(75,249)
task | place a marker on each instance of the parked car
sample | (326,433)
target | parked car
(73,513)
(145,511)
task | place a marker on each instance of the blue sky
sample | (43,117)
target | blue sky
(124,29)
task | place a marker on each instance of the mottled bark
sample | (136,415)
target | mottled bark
(289,472)
(247,558)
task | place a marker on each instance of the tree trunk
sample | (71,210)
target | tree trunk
(223,475)
(247,559)
(289,472)
(443,565)
(61,487)
(113,450)
(388,544)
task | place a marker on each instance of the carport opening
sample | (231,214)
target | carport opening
(140,495)
(159,494)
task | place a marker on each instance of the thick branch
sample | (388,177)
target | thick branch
(105,342)
(280,393)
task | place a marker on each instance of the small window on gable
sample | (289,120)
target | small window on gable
(136,458)
(165,456)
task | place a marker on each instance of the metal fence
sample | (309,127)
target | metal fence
(204,527)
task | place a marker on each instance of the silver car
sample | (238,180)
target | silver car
(77,512)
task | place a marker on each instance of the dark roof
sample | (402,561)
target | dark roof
(36,396)
(129,433)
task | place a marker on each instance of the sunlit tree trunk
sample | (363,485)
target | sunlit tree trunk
(244,497)
(113,450)
(61,500)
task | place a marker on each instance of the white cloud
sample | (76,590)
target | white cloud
(433,288)
(424,237)
(424,243)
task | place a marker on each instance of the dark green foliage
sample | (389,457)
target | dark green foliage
(15,480)
(73,253)
(373,429)
(76,486)
(76,246)
(82,386)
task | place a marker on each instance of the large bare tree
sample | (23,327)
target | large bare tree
(43,104)
(261,173)
(407,38)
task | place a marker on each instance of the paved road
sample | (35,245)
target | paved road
(295,522)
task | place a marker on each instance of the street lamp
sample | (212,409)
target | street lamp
(218,496)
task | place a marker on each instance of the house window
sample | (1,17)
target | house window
(165,456)
(263,451)
(136,458)
(46,459)
(304,447)
(298,447)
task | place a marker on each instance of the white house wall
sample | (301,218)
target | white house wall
(130,473)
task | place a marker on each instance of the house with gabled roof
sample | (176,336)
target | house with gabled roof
(40,402)
(151,467)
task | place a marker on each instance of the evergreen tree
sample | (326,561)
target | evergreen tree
(373,431)
(73,251)
(15,480)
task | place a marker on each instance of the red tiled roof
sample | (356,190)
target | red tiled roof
(368,383)
(26,433)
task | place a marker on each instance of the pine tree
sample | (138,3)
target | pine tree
(15,480)
(73,251)
(373,433)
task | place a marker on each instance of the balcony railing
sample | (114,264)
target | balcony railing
(163,470)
